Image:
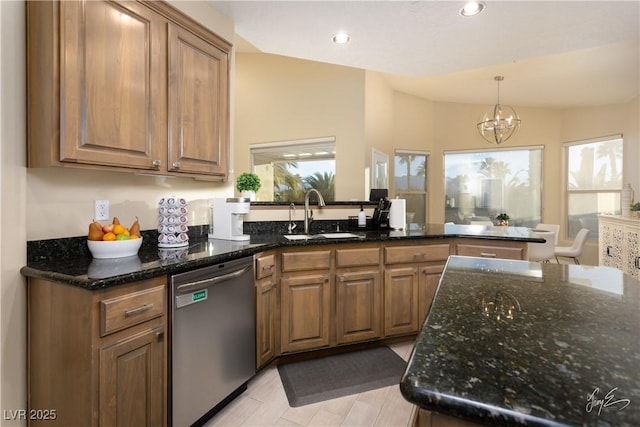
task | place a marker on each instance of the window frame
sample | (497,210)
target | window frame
(427,154)
(565,176)
(528,148)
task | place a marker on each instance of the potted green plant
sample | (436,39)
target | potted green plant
(247,184)
(635,209)
(503,219)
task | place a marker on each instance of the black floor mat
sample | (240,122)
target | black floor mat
(329,377)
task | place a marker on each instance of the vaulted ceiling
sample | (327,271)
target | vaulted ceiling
(553,54)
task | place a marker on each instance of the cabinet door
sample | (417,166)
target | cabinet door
(306,310)
(358,306)
(198,104)
(427,285)
(400,300)
(611,246)
(266,306)
(632,251)
(113,84)
(132,386)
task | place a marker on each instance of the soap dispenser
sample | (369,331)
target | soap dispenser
(362,217)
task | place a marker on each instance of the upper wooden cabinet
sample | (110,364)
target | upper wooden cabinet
(126,86)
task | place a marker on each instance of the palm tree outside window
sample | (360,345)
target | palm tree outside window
(410,183)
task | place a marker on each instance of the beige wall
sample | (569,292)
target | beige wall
(12,209)
(280,99)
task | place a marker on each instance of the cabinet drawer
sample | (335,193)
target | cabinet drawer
(490,251)
(299,261)
(265,265)
(130,309)
(357,257)
(403,254)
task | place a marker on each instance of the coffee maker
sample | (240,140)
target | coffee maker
(381,214)
(227,218)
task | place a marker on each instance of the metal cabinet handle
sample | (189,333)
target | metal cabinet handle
(176,165)
(267,267)
(201,284)
(419,255)
(609,250)
(138,310)
(487,255)
(341,278)
(637,262)
(156,163)
(159,336)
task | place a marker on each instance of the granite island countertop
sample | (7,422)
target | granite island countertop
(69,261)
(519,343)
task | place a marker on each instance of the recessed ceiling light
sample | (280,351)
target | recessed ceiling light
(321,153)
(289,156)
(305,154)
(341,38)
(472,8)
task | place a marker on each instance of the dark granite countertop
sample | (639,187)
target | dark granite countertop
(519,343)
(69,261)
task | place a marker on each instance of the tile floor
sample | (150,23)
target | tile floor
(265,404)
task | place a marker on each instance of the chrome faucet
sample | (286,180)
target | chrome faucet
(309,218)
(291,226)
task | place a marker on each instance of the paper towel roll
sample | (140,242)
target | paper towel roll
(398,214)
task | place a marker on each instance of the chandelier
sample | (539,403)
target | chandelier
(500,123)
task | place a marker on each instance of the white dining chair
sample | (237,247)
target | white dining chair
(576,248)
(542,252)
(549,227)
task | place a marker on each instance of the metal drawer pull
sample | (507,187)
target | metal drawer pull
(268,267)
(487,255)
(418,255)
(138,310)
(637,262)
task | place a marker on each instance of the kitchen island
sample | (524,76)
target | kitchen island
(519,343)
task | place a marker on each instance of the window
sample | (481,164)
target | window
(594,182)
(410,183)
(479,185)
(288,169)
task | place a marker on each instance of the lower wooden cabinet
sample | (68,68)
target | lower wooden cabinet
(491,249)
(131,380)
(358,306)
(427,286)
(99,358)
(306,312)
(400,300)
(411,278)
(266,308)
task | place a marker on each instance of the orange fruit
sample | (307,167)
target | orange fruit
(118,229)
(134,236)
(109,236)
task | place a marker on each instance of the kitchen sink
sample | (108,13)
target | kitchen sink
(339,235)
(320,236)
(297,236)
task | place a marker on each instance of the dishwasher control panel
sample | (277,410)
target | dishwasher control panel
(191,298)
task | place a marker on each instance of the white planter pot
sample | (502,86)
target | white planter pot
(251,195)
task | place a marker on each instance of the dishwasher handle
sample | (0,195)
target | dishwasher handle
(201,284)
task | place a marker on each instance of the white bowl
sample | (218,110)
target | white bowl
(101,268)
(114,249)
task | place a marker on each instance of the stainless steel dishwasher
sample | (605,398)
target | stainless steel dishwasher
(212,339)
